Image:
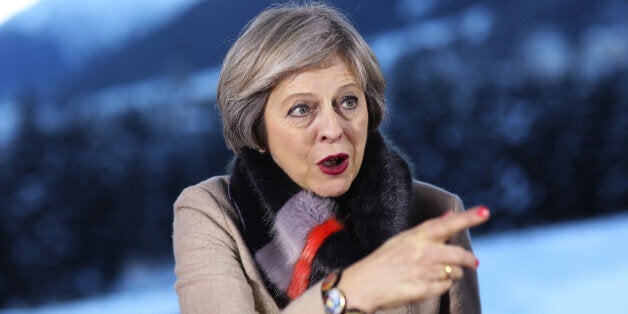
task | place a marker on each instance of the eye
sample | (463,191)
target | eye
(349,102)
(299,110)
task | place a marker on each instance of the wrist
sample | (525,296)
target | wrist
(334,299)
(354,292)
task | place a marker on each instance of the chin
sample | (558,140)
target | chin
(332,190)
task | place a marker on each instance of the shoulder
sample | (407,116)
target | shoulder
(209,198)
(213,191)
(212,186)
(432,201)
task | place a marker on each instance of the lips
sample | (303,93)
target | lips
(334,164)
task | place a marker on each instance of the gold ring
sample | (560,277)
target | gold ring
(448,271)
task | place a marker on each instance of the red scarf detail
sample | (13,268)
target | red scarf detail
(303,267)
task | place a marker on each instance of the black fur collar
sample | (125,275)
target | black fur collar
(375,208)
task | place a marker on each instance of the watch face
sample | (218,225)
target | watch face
(334,301)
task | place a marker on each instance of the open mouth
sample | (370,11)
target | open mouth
(334,164)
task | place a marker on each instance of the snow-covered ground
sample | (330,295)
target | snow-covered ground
(142,289)
(569,268)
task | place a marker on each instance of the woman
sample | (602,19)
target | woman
(318,214)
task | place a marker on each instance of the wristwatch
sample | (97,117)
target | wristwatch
(333,298)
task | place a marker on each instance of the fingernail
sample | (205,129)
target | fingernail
(447,213)
(482,211)
(477,263)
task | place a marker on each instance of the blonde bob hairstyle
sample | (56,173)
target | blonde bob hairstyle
(279,41)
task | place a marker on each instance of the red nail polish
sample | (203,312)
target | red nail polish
(482,211)
(477,263)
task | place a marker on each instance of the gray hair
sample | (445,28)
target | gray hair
(279,41)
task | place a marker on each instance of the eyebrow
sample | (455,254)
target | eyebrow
(349,85)
(343,87)
(288,100)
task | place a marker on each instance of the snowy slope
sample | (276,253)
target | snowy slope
(82,27)
(570,268)
(49,42)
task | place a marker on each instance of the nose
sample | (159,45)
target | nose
(329,126)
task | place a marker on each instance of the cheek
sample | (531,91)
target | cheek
(288,149)
(361,127)
(288,141)
(362,134)
(275,134)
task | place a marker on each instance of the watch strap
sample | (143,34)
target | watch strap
(334,299)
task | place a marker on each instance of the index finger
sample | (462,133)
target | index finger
(445,227)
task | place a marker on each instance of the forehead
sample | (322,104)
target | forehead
(334,67)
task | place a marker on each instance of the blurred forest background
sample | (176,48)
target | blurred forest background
(107,113)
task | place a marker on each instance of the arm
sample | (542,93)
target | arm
(210,267)
(210,277)
(410,267)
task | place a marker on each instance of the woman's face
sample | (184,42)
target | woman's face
(316,124)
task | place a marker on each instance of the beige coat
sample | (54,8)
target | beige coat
(217,274)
